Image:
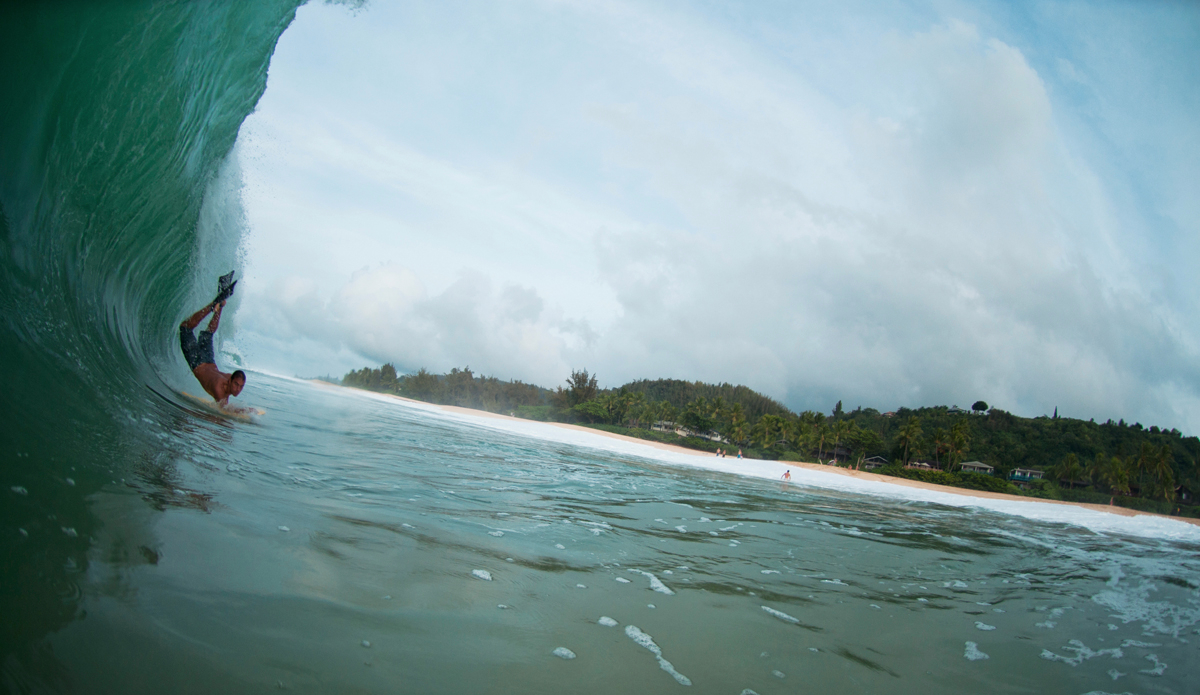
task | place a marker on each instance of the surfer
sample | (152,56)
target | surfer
(199,352)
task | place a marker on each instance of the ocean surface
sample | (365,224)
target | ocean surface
(347,542)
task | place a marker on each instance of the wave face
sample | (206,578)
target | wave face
(115,119)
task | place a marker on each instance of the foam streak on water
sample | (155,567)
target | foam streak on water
(781,615)
(646,641)
(655,583)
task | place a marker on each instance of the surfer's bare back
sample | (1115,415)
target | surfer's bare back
(199,353)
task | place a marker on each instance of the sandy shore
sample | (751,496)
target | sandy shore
(784,465)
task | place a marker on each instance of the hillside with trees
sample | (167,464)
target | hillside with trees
(1081,460)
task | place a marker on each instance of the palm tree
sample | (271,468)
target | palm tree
(625,405)
(1159,469)
(820,434)
(737,424)
(941,438)
(840,429)
(1069,470)
(910,434)
(719,410)
(802,439)
(770,427)
(1116,476)
(864,441)
(1094,472)
(1143,465)
(666,411)
(960,442)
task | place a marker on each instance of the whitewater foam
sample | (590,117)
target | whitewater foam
(781,615)
(972,652)
(563,653)
(647,642)
(655,583)
(1082,653)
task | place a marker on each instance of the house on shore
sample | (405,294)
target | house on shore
(873,463)
(977,467)
(1025,475)
(840,453)
(713,437)
(920,465)
(710,435)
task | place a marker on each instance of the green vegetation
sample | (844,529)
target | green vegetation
(1149,469)
(459,387)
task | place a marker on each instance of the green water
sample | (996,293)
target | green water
(250,557)
(147,546)
(115,118)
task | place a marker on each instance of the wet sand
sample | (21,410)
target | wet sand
(784,465)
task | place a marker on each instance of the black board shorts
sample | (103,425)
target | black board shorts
(196,352)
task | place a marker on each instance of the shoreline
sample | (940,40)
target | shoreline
(785,465)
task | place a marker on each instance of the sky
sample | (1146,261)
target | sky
(884,204)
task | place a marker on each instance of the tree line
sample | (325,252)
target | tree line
(459,387)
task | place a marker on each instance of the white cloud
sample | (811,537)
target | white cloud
(899,219)
(384,314)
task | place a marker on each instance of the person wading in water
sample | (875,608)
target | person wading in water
(199,352)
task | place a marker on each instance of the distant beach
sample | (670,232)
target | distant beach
(785,465)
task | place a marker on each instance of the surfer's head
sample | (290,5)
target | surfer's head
(237,382)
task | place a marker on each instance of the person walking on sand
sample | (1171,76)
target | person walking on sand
(739,453)
(199,352)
